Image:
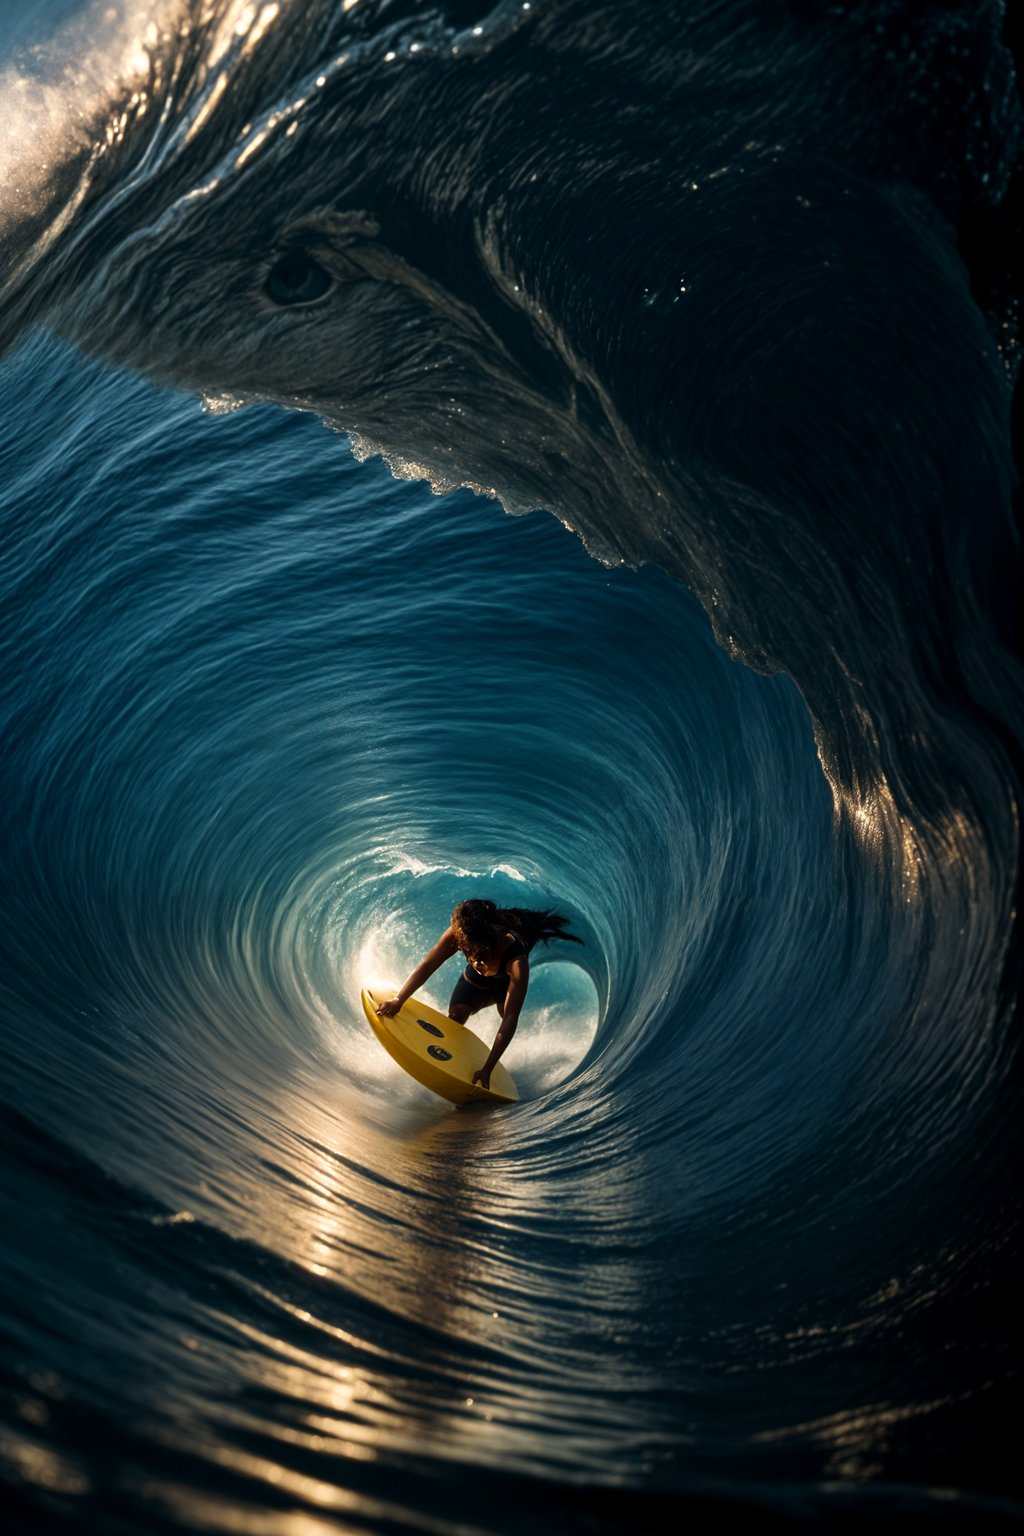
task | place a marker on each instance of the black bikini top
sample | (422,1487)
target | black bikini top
(516,948)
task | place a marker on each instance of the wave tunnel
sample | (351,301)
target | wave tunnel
(271,707)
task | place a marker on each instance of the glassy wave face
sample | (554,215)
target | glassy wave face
(687,279)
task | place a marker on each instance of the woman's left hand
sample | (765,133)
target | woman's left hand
(483,1077)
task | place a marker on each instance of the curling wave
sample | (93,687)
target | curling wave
(268,713)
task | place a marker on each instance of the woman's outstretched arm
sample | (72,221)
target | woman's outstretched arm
(515,997)
(443,950)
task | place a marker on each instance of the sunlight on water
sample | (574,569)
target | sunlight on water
(53,94)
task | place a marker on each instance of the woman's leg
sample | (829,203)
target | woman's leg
(467,998)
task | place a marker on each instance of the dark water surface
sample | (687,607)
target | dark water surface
(690,277)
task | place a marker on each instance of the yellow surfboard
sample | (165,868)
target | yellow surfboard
(437,1052)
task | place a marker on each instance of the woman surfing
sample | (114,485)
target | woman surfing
(496,942)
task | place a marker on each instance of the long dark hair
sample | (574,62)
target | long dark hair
(475,923)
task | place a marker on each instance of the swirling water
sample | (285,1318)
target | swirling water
(267,714)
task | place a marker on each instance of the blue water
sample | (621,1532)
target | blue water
(268,712)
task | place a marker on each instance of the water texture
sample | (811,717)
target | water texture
(283,683)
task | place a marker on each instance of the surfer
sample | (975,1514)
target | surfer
(496,942)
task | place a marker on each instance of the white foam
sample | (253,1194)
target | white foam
(402,862)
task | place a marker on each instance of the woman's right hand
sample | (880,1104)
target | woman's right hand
(388,1009)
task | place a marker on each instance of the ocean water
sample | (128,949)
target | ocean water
(283,680)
